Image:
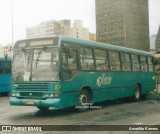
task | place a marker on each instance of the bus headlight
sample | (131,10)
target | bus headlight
(12,94)
(15,94)
(51,95)
(46,95)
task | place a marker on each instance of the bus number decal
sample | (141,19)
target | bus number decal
(104,80)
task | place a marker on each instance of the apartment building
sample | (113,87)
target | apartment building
(123,22)
(62,27)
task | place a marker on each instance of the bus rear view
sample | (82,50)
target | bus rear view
(5,75)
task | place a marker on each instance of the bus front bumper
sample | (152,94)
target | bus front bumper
(50,102)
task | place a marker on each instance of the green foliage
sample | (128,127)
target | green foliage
(153,96)
(157,79)
(156,61)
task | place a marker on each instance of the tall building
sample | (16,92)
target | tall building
(65,27)
(157,43)
(49,28)
(78,31)
(153,40)
(62,27)
(92,36)
(152,43)
(6,51)
(123,22)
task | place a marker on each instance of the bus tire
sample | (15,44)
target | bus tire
(137,93)
(43,108)
(83,99)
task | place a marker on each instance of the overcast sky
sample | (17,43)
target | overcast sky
(28,13)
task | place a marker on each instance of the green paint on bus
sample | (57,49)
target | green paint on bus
(64,72)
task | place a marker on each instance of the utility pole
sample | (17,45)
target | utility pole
(12,22)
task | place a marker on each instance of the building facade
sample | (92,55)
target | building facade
(78,31)
(152,43)
(123,22)
(65,26)
(92,36)
(153,40)
(62,27)
(49,28)
(6,51)
(157,42)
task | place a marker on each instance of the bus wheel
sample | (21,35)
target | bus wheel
(137,93)
(83,101)
(43,108)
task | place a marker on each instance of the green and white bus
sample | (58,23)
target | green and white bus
(63,72)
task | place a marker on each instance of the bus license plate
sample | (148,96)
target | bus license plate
(28,102)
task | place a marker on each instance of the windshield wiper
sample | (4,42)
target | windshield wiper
(24,50)
(25,53)
(39,53)
(28,59)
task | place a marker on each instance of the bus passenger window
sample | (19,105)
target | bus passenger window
(135,63)
(64,59)
(5,67)
(126,63)
(86,59)
(143,63)
(150,64)
(72,61)
(114,61)
(101,59)
(69,63)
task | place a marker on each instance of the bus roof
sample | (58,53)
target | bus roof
(105,46)
(95,44)
(3,59)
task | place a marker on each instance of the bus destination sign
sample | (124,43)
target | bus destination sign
(22,44)
(41,42)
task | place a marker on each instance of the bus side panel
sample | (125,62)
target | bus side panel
(69,98)
(148,83)
(123,84)
(107,85)
(5,83)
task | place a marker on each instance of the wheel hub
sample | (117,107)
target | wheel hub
(82,99)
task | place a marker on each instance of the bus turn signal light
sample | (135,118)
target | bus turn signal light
(56,95)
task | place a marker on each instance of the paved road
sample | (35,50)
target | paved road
(118,112)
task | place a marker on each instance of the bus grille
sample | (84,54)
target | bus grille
(32,86)
(31,94)
(32,90)
(31,98)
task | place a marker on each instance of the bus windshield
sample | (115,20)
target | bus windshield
(40,64)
